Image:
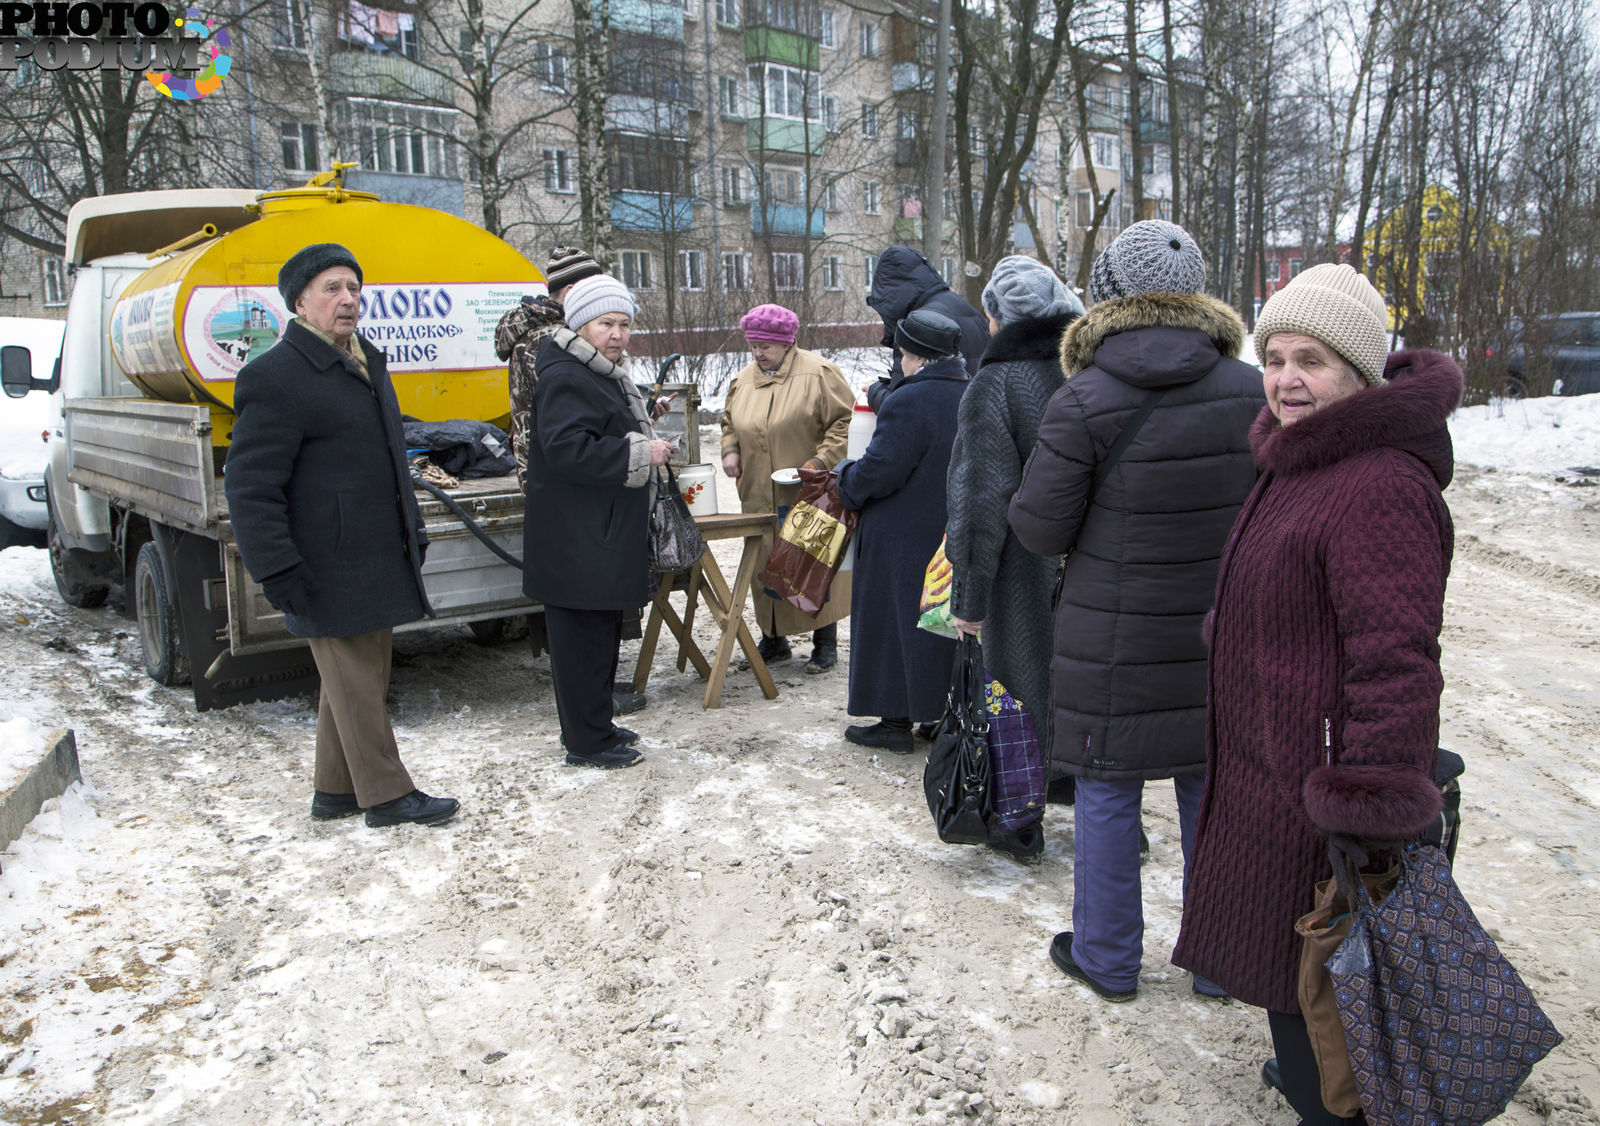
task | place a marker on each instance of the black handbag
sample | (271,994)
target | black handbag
(956,778)
(675,541)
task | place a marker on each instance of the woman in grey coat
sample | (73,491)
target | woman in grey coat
(1000,586)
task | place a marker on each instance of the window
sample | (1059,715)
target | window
(906,123)
(728,12)
(55,282)
(786,15)
(872,197)
(869,119)
(299,145)
(634,268)
(830,112)
(825,32)
(871,264)
(1294,267)
(789,91)
(1085,209)
(948,271)
(1269,272)
(788,271)
(869,39)
(729,103)
(289,25)
(735,271)
(394,137)
(691,9)
(648,164)
(782,185)
(557,170)
(410,45)
(1107,149)
(691,270)
(732,185)
(550,64)
(833,272)
(830,196)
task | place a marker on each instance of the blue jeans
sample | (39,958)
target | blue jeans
(1107,909)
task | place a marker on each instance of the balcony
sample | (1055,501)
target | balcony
(908,151)
(632,113)
(770,45)
(910,76)
(785,219)
(782,134)
(391,77)
(651,211)
(659,18)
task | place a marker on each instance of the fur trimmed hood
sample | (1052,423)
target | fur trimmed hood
(1150,310)
(1409,412)
(1037,339)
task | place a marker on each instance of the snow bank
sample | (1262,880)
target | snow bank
(1552,435)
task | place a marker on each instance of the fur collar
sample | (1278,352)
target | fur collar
(1147,310)
(1037,339)
(1409,413)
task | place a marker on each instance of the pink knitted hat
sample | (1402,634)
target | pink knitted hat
(770,322)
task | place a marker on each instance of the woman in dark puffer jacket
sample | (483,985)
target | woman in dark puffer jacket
(1323,715)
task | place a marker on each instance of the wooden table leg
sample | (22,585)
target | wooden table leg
(647,645)
(733,627)
(695,576)
(686,646)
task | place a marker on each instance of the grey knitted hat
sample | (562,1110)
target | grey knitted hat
(595,297)
(930,335)
(1152,256)
(568,265)
(1024,288)
(1337,306)
(303,265)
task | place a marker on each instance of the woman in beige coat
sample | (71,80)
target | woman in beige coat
(786,409)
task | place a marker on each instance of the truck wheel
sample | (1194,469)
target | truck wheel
(75,579)
(158,623)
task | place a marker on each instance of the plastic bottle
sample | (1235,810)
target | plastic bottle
(863,421)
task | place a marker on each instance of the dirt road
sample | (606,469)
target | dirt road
(757,925)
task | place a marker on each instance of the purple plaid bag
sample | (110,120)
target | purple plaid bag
(1016,765)
(1440,1027)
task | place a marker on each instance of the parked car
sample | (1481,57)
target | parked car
(1551,355)
(29,349)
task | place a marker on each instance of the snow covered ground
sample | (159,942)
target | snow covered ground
(757,925)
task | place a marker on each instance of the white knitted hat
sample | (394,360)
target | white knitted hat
(595,297)
(1337,306)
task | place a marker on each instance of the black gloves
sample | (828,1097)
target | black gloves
(290,591)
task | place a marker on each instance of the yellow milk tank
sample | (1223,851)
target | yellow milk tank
(433,288)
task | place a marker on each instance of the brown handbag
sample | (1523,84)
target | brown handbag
(1322,931)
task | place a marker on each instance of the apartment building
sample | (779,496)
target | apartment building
(754,150)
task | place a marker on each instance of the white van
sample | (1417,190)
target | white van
(29,351)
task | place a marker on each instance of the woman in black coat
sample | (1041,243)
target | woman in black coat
(592,456)
(896,670)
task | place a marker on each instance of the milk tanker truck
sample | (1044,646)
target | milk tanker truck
(174,292)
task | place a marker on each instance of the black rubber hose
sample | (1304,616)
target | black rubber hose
(472,525)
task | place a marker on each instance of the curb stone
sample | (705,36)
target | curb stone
(49,778)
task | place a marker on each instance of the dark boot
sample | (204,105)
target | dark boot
(824,649)
(890,734)
(774,649)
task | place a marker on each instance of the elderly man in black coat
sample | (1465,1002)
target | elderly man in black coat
(326,519)
(904,282)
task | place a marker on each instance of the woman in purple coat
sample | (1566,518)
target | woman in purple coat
(1323,715)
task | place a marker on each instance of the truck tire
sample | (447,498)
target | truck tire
(164,659)
(75,577)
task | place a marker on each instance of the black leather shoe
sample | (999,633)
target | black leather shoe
(926,731)
(331,807)
(1061,955)
(1204,987)
(625,701)
(415,808)
(609,758)
(774,649)
(625,738)
(823,658)
(1271,1076)
(881,737)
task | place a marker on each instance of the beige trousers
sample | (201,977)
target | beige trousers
(356,751)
